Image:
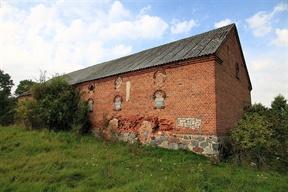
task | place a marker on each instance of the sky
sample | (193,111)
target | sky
(60,36)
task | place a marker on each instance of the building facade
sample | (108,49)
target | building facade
(186,94)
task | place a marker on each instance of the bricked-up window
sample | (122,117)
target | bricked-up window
(117,103)
(118,83)
(237,70)
(159,78)
(159,99)
(90,105)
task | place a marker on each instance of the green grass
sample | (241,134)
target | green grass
(47,161)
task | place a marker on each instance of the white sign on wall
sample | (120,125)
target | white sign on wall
(189,122)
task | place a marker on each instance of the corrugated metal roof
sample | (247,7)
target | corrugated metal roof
(191,47)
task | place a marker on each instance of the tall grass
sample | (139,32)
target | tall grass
(62,161)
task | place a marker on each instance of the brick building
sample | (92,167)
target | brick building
(184,94)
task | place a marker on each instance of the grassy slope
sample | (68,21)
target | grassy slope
(43,161)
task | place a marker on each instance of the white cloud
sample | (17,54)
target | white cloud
(222,23)
(260,23)
(260,64)
(280,7)
(268,73)
(120,50)
(281,37)
(62,37)
(150,26)
(118,12)
(179,27)
(146,27)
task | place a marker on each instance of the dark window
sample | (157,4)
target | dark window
(237,70)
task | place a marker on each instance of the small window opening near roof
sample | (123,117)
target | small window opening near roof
(91,87)
(237,70)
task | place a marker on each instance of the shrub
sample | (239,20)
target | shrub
(58,103)
(57,106)
(261,135)
(82,122)
(253,137)
(29,114)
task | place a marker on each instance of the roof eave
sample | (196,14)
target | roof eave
(207,57)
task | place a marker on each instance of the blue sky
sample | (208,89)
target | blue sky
(65,35)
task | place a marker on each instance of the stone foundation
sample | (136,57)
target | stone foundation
(128,137)
(201,144)
(149,131)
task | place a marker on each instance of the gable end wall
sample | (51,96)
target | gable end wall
(232,94)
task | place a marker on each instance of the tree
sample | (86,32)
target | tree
(279,118)
(6,83)
(24,86)
(7,103)
(279,104)
(257,108)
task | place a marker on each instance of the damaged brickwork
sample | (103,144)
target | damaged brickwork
(159,132)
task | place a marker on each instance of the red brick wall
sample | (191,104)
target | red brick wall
(199,88)
(232,94)
(190,89)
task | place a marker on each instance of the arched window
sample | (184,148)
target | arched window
(91,87)
(117,103)
(159,78)
(237,69)
(159,99)
(90,105)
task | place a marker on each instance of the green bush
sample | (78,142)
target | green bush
(28,114)
(261,135)
(253,137)
(82,122)
(57,106)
